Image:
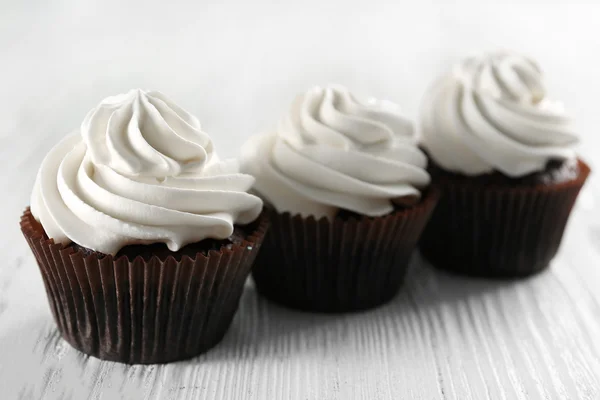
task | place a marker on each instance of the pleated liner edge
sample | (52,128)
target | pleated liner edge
(142,312)
(496,231)
(340,265)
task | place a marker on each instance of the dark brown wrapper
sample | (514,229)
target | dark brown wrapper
(499,231)
(142,312)
(341,265)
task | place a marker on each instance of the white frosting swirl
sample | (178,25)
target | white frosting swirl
(492,113)
(141,172)
(332,152)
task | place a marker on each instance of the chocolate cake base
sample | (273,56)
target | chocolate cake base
(348,264)
(148,305)
(495,226)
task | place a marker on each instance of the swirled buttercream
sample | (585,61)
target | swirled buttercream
(492,113)
(332,152)
(140,171)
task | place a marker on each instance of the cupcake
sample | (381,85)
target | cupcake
(503,155)
(345,188)
(143,237)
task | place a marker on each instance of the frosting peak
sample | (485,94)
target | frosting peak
(332,152)
(493,113)
(142,133)
(142,171)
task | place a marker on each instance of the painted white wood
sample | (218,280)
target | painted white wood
(237,66)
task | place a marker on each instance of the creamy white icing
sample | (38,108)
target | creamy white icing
(492,113)
(333,152)
(141,171)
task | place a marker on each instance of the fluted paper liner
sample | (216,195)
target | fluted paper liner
(499,231)
(340,265)
(139,311)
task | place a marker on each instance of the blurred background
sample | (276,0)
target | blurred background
(238,64)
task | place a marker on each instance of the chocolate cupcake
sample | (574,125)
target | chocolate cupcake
(346,191)
(144,238)
(503,156)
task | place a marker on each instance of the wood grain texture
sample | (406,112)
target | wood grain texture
(442,337)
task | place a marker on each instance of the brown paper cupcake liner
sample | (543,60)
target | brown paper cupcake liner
(340,265)
(498,231)
(142,311)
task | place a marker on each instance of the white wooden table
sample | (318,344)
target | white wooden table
(443,337)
